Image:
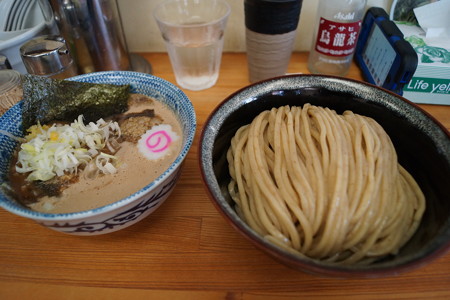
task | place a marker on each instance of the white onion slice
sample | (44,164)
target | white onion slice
(59,149)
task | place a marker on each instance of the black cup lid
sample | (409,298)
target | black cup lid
(272,16)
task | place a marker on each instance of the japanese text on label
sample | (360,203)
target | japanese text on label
(337,39)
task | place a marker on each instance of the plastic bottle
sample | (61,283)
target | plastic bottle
(335,36)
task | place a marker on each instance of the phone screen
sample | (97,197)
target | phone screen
(378,55)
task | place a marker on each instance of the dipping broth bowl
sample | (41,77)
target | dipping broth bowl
(131,209)
(422,145)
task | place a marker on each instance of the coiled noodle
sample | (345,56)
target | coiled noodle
(323,185)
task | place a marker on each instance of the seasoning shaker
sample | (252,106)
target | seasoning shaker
(48,56)
(10,89)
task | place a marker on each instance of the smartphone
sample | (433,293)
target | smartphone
(385,58)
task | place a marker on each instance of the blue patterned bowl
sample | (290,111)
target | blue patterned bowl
(124,212)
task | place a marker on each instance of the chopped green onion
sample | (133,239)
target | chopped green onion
(60,149)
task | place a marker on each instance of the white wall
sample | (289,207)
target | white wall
(142,33)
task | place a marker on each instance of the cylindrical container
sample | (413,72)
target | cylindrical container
(37,19)
(48,56)
(271,27)
(93,30)
(335,36)
(10,89)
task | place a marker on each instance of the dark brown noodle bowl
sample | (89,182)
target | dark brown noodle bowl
(421,143)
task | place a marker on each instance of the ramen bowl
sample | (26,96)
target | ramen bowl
(422,145)
(124,212)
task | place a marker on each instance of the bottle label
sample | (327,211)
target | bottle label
(337,39)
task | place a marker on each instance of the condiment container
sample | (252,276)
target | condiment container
(48,56)
(93,29)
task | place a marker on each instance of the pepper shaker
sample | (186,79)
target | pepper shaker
(48,56)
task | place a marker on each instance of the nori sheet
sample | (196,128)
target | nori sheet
(48,100)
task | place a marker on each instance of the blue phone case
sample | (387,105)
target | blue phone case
(385,58)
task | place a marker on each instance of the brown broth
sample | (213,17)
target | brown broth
(134,171)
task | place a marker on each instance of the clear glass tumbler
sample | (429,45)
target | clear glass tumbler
(193,31)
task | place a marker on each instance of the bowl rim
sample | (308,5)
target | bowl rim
(188,140)
(304,263)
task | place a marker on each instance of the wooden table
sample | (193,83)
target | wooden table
(185,250)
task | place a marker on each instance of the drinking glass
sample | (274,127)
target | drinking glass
(193,31)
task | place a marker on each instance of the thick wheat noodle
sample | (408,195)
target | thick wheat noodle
(323,185)
(304,133)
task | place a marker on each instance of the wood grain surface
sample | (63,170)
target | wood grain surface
(186,250)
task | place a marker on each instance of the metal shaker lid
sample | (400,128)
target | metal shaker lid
(45,55)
